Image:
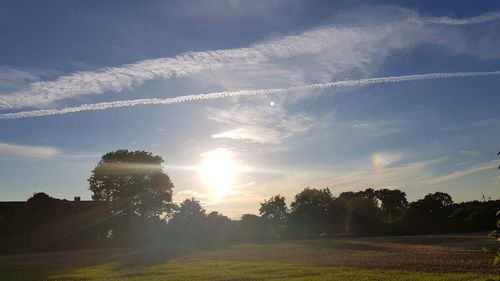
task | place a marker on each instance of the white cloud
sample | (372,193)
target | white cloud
(28,151)
(12,79)
(461,173)
(316,55)
(252,134)
(385,159)
(261,123)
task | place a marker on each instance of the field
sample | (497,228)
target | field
(438,257)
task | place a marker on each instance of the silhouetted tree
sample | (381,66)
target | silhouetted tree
(434,204)
(429,215)
(189,219)
(134,183)
(311,211)
(219,227)
(43,208)
(252,227)
(189,208)
(363,215)
(275,214)
(393,202)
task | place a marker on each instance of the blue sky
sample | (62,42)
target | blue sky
(420,136)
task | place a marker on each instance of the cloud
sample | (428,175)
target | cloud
(312,56)
(469,153)
(484,18)
(28,151)
(404,174)
(12,79)
(252,134)
(244,93)
(383,160)
(461,173)
(377,128)
(261,123)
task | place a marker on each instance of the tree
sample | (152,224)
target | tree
(434,204)
(189,220)
(362,213)
(219,227)
(188,210)
(430,214)
(134,184)
(311,211)
(275,213)
(251,227)
(393,202)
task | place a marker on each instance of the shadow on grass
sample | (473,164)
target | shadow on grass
(40,266)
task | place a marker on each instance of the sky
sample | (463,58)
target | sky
(248,99)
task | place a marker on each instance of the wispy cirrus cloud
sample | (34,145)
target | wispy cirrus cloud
(461,173)
(12,79)
(261,123)
(317,55)
(28,151)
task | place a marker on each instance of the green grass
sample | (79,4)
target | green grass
(443,258)
(228,270)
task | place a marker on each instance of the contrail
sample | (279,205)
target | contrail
(484,18)
(241,93)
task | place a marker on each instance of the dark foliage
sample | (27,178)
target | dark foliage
(136,188)
(274,213)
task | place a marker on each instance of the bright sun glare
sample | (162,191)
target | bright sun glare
(218,171)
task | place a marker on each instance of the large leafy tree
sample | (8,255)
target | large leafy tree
(312,210)
(362,213)
(393,202)
(275,212)
(188,222)
(190,209)
(134,183)
(434,204)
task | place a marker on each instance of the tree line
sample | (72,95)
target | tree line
(132,205)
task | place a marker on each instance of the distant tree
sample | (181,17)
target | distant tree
(250,219)
(219,227)
(311,211)
(39,198)
(393,202)
(275,212)
(368,194)
(43,208)
(188,221)
(363,215)
(429,214)
(252,227)
(189,208)
(434,204)
(134,183)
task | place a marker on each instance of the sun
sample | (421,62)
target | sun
(218,171)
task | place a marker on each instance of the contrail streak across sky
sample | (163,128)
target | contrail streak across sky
(240,93)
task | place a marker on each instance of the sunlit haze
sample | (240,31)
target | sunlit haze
(218,171)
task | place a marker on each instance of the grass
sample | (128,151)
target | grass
(443,257)
(231,271)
